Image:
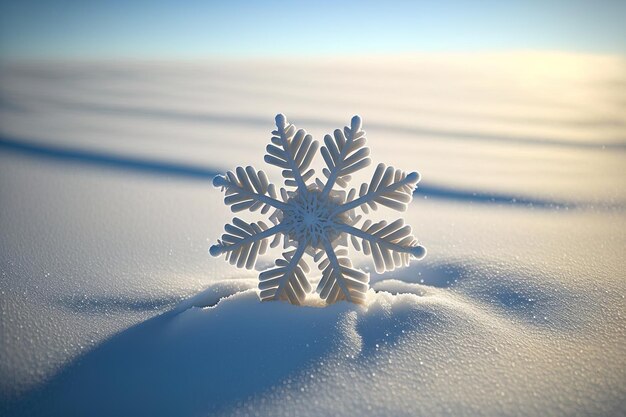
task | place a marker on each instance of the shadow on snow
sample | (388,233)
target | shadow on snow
(188,171)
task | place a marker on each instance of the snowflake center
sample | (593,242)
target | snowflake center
(310,218)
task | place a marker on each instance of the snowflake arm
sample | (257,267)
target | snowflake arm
(339,280)
(344,154)
(244,242)
(296,155)
(248,189)
(288,280)
(391,245)
(389,187)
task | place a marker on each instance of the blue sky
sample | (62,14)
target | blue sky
(190,29)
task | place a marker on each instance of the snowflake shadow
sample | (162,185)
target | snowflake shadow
(191,361)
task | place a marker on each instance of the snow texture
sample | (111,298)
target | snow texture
(314,218)
(109,304)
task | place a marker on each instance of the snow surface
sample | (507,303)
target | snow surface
(111,305)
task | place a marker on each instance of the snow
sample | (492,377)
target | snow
(111,305)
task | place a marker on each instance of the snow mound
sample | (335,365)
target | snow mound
(225,352)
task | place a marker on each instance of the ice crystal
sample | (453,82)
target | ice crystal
(315,219)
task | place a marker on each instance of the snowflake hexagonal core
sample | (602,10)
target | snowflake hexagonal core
(310,218)
(316,219)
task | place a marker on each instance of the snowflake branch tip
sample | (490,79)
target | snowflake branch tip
(413,177)
(215,250)
(418,252)
(219,181)
(281,120)
(355,123)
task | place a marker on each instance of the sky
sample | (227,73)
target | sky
(193,29)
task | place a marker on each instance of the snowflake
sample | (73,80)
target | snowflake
(316,219)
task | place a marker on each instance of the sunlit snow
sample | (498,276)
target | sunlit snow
(111,305)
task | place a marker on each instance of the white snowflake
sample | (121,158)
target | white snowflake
(315,219)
